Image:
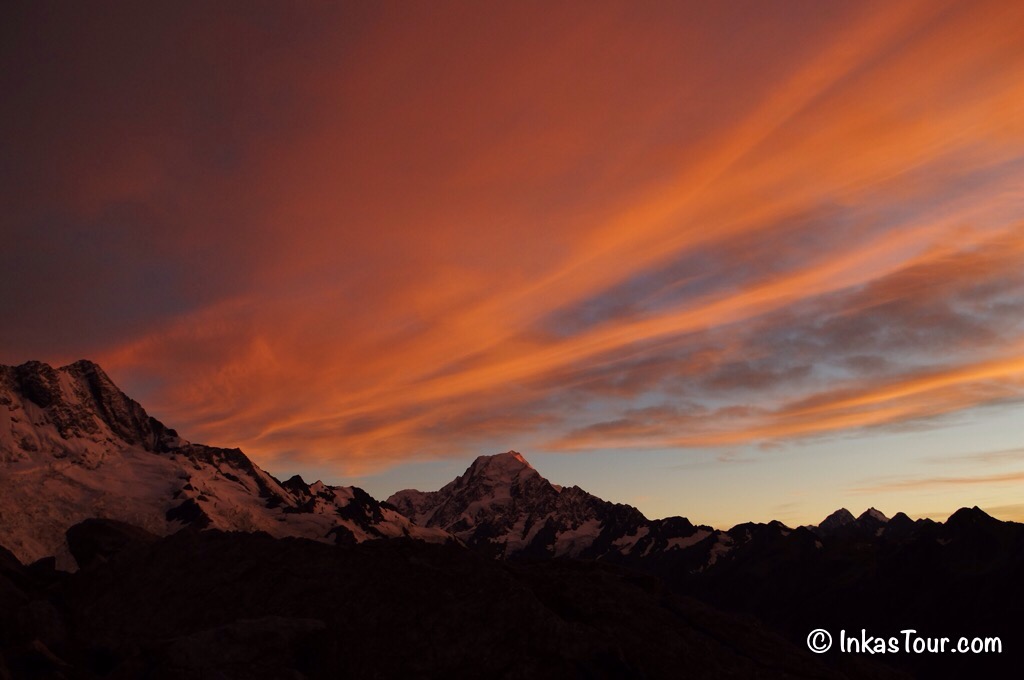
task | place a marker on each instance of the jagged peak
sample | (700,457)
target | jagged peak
(496,470)
(84,365)
(42,383)
(37,367)
(78,395)
(81,367)
(838,518)
(296,484)
(873,514)
(965,516)
(506,459)
(901,518)
(33,364)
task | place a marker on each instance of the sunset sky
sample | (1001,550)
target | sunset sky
(730,260)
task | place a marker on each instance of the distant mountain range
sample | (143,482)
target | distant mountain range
(90,482)
(73,446)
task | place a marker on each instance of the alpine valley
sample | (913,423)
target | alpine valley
(131,552)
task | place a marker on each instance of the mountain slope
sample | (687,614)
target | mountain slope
(73,446)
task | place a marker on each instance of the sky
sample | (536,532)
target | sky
(733,261)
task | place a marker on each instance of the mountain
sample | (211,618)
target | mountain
(847,572)
(502,506)
(73,446)
(90,480)
(870,521)
(837,519)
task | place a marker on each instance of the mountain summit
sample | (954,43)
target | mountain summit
(503,506)
(73,447)
(839,518)
(842,521)
(75,410)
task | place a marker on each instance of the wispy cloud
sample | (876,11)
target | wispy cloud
(981,457)
(924,483)
(359,242)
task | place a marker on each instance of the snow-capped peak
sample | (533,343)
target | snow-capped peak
(872,513)
(502,467)
(504,507)
(518,456)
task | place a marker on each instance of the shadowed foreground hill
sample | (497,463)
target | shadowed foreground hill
(233,605)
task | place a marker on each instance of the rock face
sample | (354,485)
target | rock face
(502,506)
(74,447)
(75,411)
(96,541)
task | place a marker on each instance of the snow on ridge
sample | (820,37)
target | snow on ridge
(626,543)
(500,469)
(723,545)
(696,537)
(574,541)
(874,514)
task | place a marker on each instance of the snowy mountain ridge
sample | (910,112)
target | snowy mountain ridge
(73,447)
(504,507)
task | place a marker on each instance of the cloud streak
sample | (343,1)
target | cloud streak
(943,482)
(356,241)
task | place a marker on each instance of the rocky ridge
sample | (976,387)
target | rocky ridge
(73,447)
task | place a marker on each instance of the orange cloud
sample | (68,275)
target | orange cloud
(382,224)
